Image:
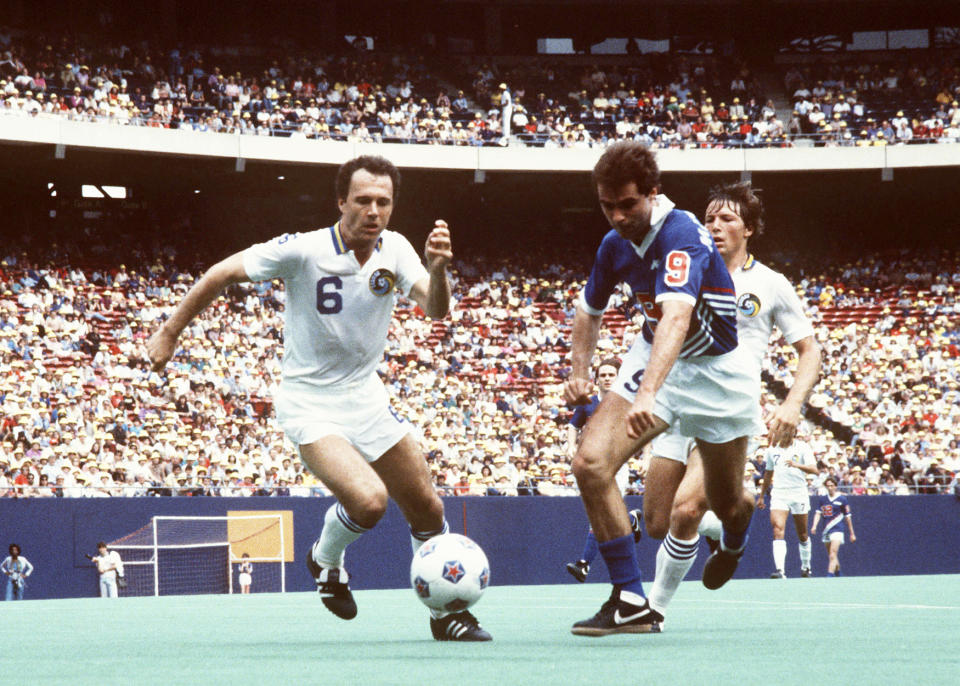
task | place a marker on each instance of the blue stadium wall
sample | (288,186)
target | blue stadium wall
(528,540)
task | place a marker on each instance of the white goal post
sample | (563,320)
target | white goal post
(179,555)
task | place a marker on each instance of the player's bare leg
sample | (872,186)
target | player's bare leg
(805,547)
(361,501)
(778,522)
(404,470)
(723,466)
(678,551)
(660,487)
(604,447)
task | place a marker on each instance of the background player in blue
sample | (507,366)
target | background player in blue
(683,372)
(339,284)
(606,375)
(834,509)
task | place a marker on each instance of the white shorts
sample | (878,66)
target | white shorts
(360,414)
(837,536)
(245,579)
(715,399)
(793,502)
(622,477)
(672,446)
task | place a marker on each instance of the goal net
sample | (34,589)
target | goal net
(192,555)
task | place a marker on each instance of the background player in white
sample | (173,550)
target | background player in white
(835,511)
(785,479)
(765,299)
(110,568)
(245,573)
(683,370)
(340,283)
(605,376)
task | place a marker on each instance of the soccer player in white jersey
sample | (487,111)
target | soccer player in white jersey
(340,283)
(765,300)
(785,479)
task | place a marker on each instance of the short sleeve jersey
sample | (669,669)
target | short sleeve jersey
(784,477)
(833,510)
(766,299)
(337,312)
(677,260)
(583,412)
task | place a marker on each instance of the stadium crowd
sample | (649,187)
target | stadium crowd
(358,95)
(84,416)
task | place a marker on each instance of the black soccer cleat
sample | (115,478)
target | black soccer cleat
(622,613)
(806,573)
(332,585)
(636,524)
(578,570)
(720,567)
(778,575)
(459,626)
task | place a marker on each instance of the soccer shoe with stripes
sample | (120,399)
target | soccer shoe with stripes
(578,570)
(806,573)
(778,575)
(622,613)
(636,524)
(332,585)
(720,567)
(460,626)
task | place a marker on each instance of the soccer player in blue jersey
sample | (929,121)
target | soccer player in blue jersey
(835,511)
(606,376)
(683,372)
(340,283)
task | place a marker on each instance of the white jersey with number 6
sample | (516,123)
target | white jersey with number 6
(337,312)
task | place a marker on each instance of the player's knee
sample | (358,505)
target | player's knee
(368,509)
(686,515)
(589,468)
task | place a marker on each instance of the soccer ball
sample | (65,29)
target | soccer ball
(449,572)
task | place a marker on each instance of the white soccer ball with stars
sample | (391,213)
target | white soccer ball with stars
(449,572)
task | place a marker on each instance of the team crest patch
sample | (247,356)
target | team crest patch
(748,305)
(382,282)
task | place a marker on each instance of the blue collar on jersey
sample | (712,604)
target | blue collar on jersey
(338,243)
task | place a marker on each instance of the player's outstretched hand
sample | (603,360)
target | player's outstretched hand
(576,390)
(160,348)
(439,249)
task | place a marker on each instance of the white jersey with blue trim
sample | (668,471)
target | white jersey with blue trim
(337,312)
(789,478)
(677,260)
(766,299)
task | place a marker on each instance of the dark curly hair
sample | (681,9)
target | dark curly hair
(625,162)
(743,197)
(376,165)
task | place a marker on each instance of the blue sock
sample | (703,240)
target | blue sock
(620,554)
(734,542)
(590,548)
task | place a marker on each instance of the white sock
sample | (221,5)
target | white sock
(710,526)
(805,549)
(779,554)
(339,531)
(418,538)
(675,557)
